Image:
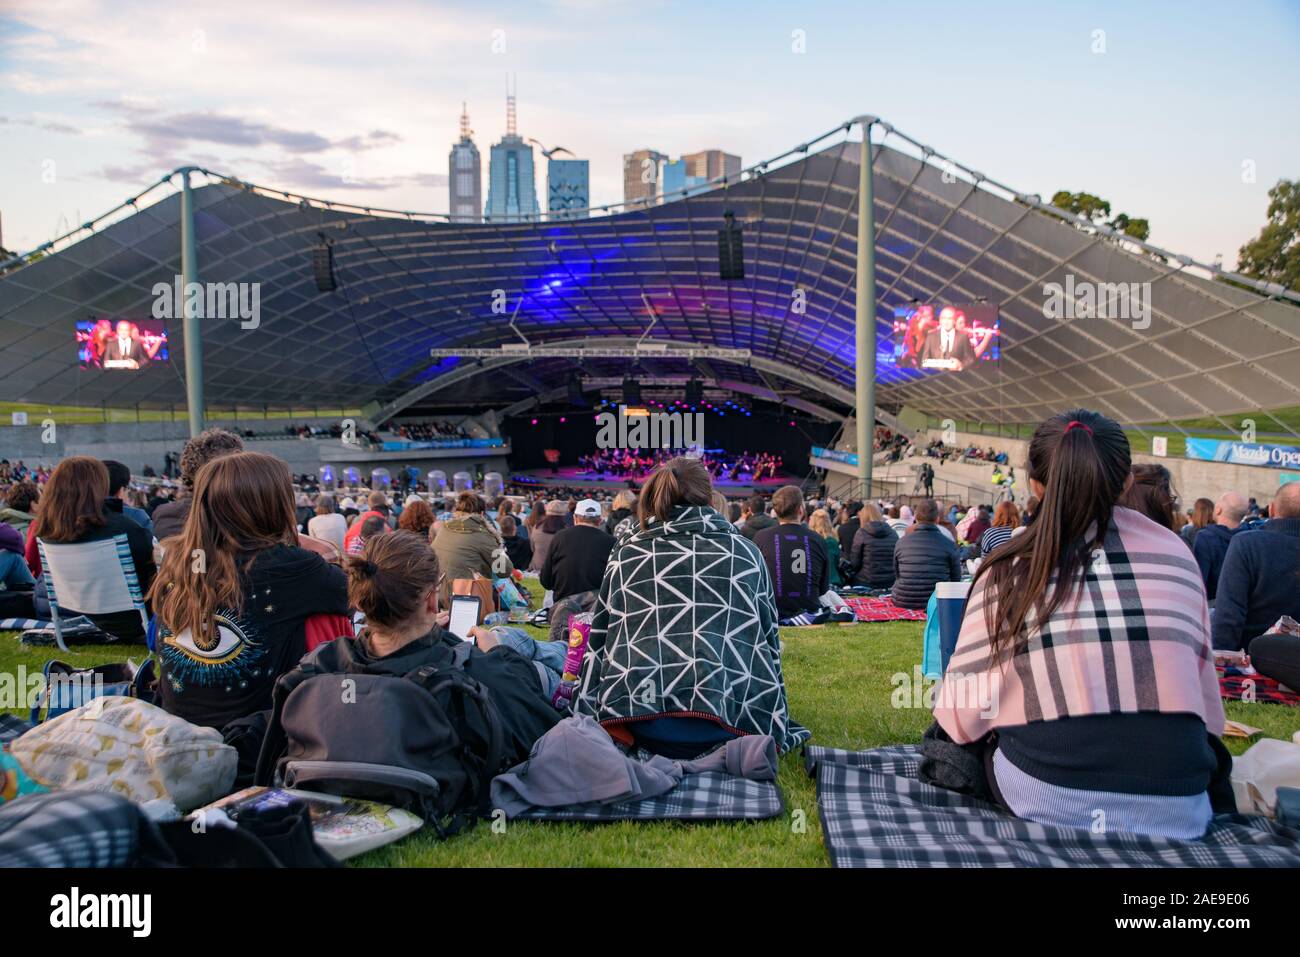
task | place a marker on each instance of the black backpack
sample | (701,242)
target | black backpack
(429,741)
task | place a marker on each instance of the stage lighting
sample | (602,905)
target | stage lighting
(322,266)
(576,398)
(731,249)
(631,391)
(694,392)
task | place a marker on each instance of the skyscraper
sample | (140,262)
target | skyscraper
(465,175)
(512,190)
(711,164)
(567,187)
(676,182)
(641,174)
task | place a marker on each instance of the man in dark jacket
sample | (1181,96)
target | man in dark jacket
(577,557)
(754,518)
(848,529)
(923,557)
(1211,545)
(169,519)
(871,561)
(1260,579)
(795,556)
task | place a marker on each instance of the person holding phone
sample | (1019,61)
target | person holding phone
(394,582)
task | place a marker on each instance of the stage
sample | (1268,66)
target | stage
(571,476)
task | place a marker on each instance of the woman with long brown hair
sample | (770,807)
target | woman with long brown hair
(235,591)
(72,509)
(684,650)
(1083,667)
(1202,516)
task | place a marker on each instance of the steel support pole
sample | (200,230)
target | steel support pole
(866,315)
(193,309)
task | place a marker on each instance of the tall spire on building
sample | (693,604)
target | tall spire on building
(511,125)
(465,131)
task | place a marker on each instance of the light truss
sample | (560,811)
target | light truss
(642,350)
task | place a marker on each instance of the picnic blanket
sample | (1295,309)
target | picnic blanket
(710,796)
(24,624)
(11,726)
(875,812)
(881,609)
(1256,687)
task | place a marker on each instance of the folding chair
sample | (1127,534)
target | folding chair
(95,578)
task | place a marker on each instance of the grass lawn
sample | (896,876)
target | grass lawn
(839,681)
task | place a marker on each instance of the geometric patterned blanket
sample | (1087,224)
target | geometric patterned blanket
(875,812)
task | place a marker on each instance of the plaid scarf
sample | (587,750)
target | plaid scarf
(1136,638)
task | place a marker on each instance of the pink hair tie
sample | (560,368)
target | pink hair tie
(1076,424)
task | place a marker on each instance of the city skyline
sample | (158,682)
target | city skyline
(1144,107)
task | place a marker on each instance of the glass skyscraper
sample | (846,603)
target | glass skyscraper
(567,188)
(465,176)
(512,190)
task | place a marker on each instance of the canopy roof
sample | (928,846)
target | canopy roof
(407,284)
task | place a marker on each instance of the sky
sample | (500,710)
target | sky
(1183,113)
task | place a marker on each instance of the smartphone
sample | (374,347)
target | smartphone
(464,615)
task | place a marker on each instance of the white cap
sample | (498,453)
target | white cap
(588,508)
(411,500)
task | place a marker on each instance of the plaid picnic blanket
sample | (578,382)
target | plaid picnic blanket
(1236,687)
(11,726)
(710,796)
(880,609)
(876,813)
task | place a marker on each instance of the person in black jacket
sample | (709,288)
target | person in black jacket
(518,550)
(848,529)
(1260,580)
(923,557)
(623,510)
(394,582)
(1210,545)
(235,591)
(169,517)
(795,556)
(578,554)
(73,510)
(871,560)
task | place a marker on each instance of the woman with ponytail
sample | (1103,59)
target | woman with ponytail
(235,591)
(684,650)
(1083,667)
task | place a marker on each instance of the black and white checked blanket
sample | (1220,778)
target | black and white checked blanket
(709,796)
(876,813)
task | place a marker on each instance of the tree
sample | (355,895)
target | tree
(1274,255)
(1096,210)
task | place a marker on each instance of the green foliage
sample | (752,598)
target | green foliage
(1274,255)
(1097,210)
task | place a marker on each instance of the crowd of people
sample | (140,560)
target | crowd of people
(427,431)
(1101,554)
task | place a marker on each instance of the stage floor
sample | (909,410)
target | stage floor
(572,476)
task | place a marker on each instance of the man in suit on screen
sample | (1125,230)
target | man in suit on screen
(947,348)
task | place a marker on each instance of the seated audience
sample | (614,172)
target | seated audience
(1089,632)
(378,505)
(900,518)
(820,522)
(1006,519)
(328,525)
(1201,517)
(20,505)
(575,561)
(169,519)
(467,545)
(553,520)
(235,591)
(519,550)
(1260,579)
(621,516)
(372,527)
(119,490)
(795,556)
(74,509)
(395,583)
(871,561)
(924,556)
(678,679)
(754,517)
(1152,493)
(1211,543)
(848,528)
(416,517)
